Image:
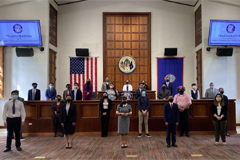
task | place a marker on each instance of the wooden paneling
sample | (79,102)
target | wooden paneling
(88,117)
(198,26)
(1,72)
(53,26)
(52,67)
(199,72)
(127,34)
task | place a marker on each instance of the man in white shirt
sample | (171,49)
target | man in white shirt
(194,93)
(13,117)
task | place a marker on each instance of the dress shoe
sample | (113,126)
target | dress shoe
(19,148)
(174,145)
(187,135)
(6,150)
(21,138)
(62,135)
(227,134)
(168,145)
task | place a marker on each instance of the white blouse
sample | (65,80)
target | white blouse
(67,108)
(219,109)
(105,105)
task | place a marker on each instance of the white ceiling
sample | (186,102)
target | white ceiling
(186,2)
(12,2)
(62,2)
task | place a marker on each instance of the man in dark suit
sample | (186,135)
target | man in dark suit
(171,119)
(51,93)
(76,94)
(225,98)
(145,85)
(34,94)
(169,85)
(138,92)
(163,93)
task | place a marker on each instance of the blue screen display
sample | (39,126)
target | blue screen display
(20,33)
(224,33)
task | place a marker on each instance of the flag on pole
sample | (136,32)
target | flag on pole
(81,69)
(172,68)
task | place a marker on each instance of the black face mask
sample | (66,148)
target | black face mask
(68,100)
(105,97)
(181,92)
(167,80)
(222,92)
(127,82)
(170,100)
(59,99)
(88,82)
(107,80)
(164,87)
(68,87)
(124,102)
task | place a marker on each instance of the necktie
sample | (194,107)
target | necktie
(33,94)
(212,92)
(13,108)
(127,88)
(171,106)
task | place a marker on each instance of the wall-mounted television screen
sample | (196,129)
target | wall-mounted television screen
(20,33)
(224,33)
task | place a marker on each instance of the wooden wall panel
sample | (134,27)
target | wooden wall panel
(53,26)
(1,72)
(127,34)
(198,26)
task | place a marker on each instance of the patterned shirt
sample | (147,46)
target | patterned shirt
(182,100)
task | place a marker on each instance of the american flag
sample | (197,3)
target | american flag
(81,69)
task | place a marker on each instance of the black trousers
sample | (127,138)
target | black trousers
(56,122)
(104,124)
(184,121)
(171,128)
(13,124)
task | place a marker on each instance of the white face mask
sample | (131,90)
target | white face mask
(194,87)
(218,99)
(75,87)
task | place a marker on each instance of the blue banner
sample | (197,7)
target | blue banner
(172,68)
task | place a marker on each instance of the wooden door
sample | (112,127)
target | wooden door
(127,34)
(52,67)
(199,71)
(1,72)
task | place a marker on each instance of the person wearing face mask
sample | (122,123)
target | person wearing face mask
(105,106)
(143,107)
(171,119)
(112,92)
(13,117)
(169,85)
(105,85)
(87,90)
(76,93)
(56,108)
(124,110)
(67,92)
(183,101)
(34,94)
(145,85)
(194,93)
(68,118)
(127,86)
(50,93)
(219,111)
(138,92)
(163,93)
(225,99)
(211,92)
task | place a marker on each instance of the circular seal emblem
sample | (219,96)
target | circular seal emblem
(230,28)
(171,76)
(127,94)
(17,28)
(127,64)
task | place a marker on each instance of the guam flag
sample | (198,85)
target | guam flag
(172,68)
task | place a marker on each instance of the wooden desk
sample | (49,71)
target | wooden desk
(38,113)
(150,94)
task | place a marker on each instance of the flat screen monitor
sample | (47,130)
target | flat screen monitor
(20,33)
(224,33)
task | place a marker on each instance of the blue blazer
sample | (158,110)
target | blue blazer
(169,87)
(37,95)
(171,115)
(78,96)
(225,98)
(138,94)
(50,94)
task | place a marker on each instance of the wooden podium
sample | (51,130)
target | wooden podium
(38,117)
(150,94)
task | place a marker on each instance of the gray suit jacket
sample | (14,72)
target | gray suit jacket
(104,86)
(162,95)
(211,93)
